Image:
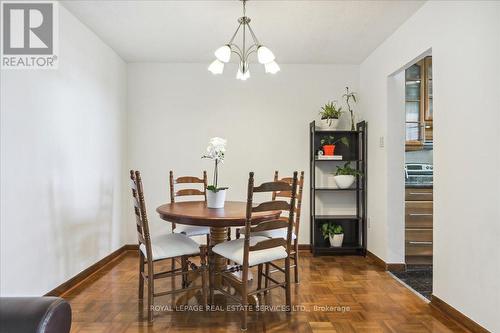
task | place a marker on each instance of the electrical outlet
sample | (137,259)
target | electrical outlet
(381,143)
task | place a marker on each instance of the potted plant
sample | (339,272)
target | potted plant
(328,143)
(334,232)
(348,96)
(345,176)
(216,196)
(330,115)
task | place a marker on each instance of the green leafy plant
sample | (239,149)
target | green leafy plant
(330,111)
(215,189)
(346,170)
(330,229)
(347,97)
(331,140)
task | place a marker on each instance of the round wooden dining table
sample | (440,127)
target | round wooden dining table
(196,213)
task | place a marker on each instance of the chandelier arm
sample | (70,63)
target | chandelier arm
(234,35)
(251,49)
(236,49)
(255,40)
(237,53)
(249,53)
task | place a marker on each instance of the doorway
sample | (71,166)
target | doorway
(415,101)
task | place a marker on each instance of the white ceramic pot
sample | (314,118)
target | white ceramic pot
(344,181)
(336,240)
(325,123)
(216,199)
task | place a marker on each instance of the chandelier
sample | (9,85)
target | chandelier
(223,53)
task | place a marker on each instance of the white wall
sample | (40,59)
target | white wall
(175,108)
(465,43)
(61,163)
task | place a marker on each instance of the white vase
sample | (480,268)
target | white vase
(216,199)
(329,123)
(344,181)
(336,240)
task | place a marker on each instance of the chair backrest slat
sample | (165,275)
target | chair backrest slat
(138,220)
(271,205)
(268,244)
(272,187)
(189,180)
(140,237)
(143,235)
(270,225)
(189,191)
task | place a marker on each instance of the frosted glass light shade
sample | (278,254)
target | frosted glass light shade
(272,67)
(223,53)
(216,67)
(264,55)
(243,76)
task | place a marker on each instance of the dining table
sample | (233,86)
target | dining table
(196,213)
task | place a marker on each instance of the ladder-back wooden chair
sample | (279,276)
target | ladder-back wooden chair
(190,230)
(198,193)
(165,246)
(253,251)
(296,226)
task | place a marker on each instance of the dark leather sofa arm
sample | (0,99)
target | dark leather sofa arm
(34,315)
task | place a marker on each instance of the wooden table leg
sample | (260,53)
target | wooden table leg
(217,236)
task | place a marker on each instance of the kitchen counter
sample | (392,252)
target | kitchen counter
(418,186)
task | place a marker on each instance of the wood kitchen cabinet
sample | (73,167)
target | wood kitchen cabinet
(418,104)
(418,225)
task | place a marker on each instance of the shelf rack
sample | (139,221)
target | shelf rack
(355,226)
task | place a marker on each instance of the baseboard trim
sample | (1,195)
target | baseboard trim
(86,273)
(304,247)
(394,267)
(456,315)
(109,259)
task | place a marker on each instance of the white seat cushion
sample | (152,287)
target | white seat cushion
(191,230)
(171,245)
(275,233)
(233,250)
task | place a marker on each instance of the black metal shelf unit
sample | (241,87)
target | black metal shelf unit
(355,233)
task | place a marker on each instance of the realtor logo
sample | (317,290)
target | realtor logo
(29,38)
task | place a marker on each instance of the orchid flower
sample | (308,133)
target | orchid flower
(215,151)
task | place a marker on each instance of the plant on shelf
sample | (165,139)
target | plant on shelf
(348,96)
(216,195)
(345,175)
(328,143)
(330,114)
(334,232)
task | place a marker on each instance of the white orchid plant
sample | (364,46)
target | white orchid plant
(215,151)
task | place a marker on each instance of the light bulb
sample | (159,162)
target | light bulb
(272,67)
(243,76)
(264,55)
(223,53)
(243,71)
(216,67)
(246,75)
(239,75)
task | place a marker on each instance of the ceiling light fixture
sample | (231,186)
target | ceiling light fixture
(223,53)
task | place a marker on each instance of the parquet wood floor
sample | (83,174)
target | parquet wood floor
(368,300)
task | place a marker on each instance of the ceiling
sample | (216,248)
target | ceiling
(323,32)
